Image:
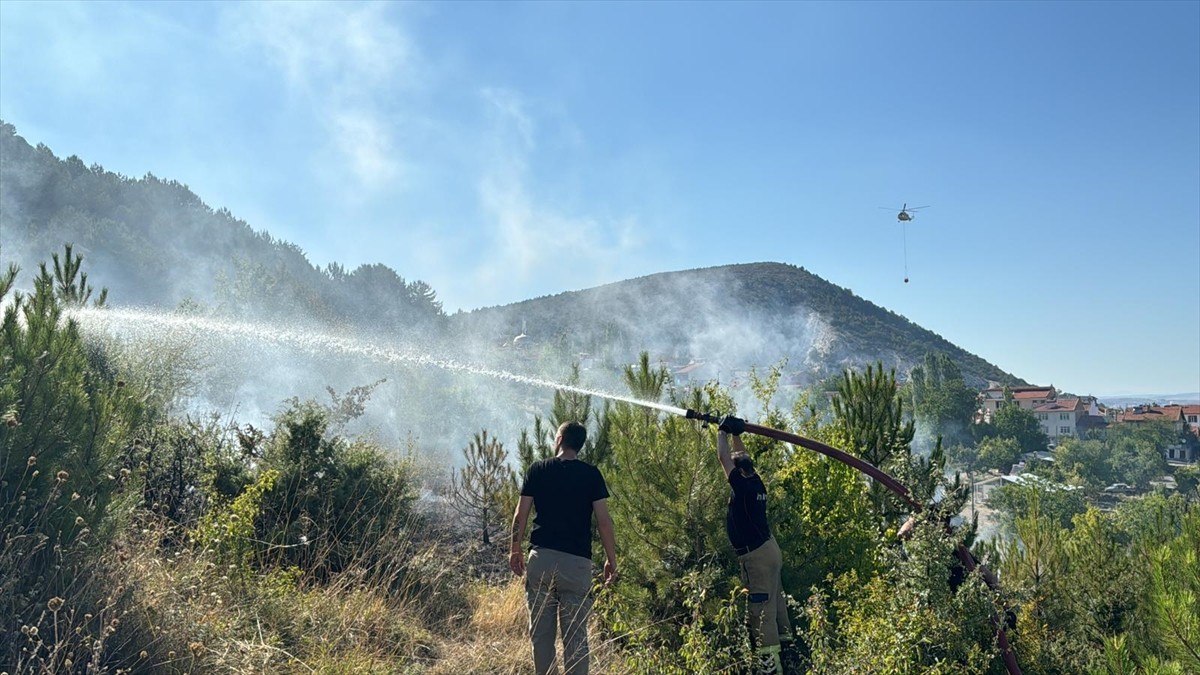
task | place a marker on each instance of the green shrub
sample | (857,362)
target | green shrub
(712,634)
(907,618)
(335,502)
(184,466)
(67,420)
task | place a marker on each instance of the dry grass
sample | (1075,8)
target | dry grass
(202,618)
(500,611)
(214,622)
(496,640)
(181,612)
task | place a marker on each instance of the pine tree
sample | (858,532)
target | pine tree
(534,446)
(871,414)
(644,382)
(668,501)
(71,286)
(568,406)
(478,489)
(571,406)
(65,421)
(868,408)
(1174,598)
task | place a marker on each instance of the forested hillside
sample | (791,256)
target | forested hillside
(767,310)
(155,242)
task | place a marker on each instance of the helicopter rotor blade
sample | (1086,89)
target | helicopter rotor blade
(914,208)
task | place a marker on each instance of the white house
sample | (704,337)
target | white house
(1060,417)
(1191,414)
(1027,397)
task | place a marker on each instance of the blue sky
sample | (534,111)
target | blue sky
(507,151)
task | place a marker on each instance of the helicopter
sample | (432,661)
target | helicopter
(903,217)
(905,214)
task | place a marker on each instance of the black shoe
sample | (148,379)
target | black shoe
(791,658)
(768,662)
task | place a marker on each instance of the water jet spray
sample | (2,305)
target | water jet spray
(148,325)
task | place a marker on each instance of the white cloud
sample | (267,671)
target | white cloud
(87,50)
(352,47)
(529,238)
(345,62)
(511,123)
(366,145)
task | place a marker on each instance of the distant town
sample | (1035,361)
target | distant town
(1081,416)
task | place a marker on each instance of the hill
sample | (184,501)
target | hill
(155,243)
(726,319)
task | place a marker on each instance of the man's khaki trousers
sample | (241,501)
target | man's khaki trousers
(557,588)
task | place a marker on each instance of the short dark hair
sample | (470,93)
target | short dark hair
(574,435)
(744,463)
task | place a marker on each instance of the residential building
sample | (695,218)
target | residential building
(1173,414)
(1059,418)
(1089,425)
(1027,397)
(1191,415)
(1094,419)
(1153,413)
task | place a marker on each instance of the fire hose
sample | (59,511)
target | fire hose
(964,555)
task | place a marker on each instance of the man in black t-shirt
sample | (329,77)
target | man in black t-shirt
(758,553)
(564,492)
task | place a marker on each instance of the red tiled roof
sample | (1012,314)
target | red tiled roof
(1018,390)
(1061,405)
(1171,413)
(1191,409)
(1033,394)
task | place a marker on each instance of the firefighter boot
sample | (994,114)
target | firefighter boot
(768,661)
(790,658)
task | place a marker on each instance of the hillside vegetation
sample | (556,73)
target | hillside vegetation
(156,243)
(139,541)
(821,327)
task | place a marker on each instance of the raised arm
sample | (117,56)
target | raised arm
(723,451)
(738,448)
(516,558)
